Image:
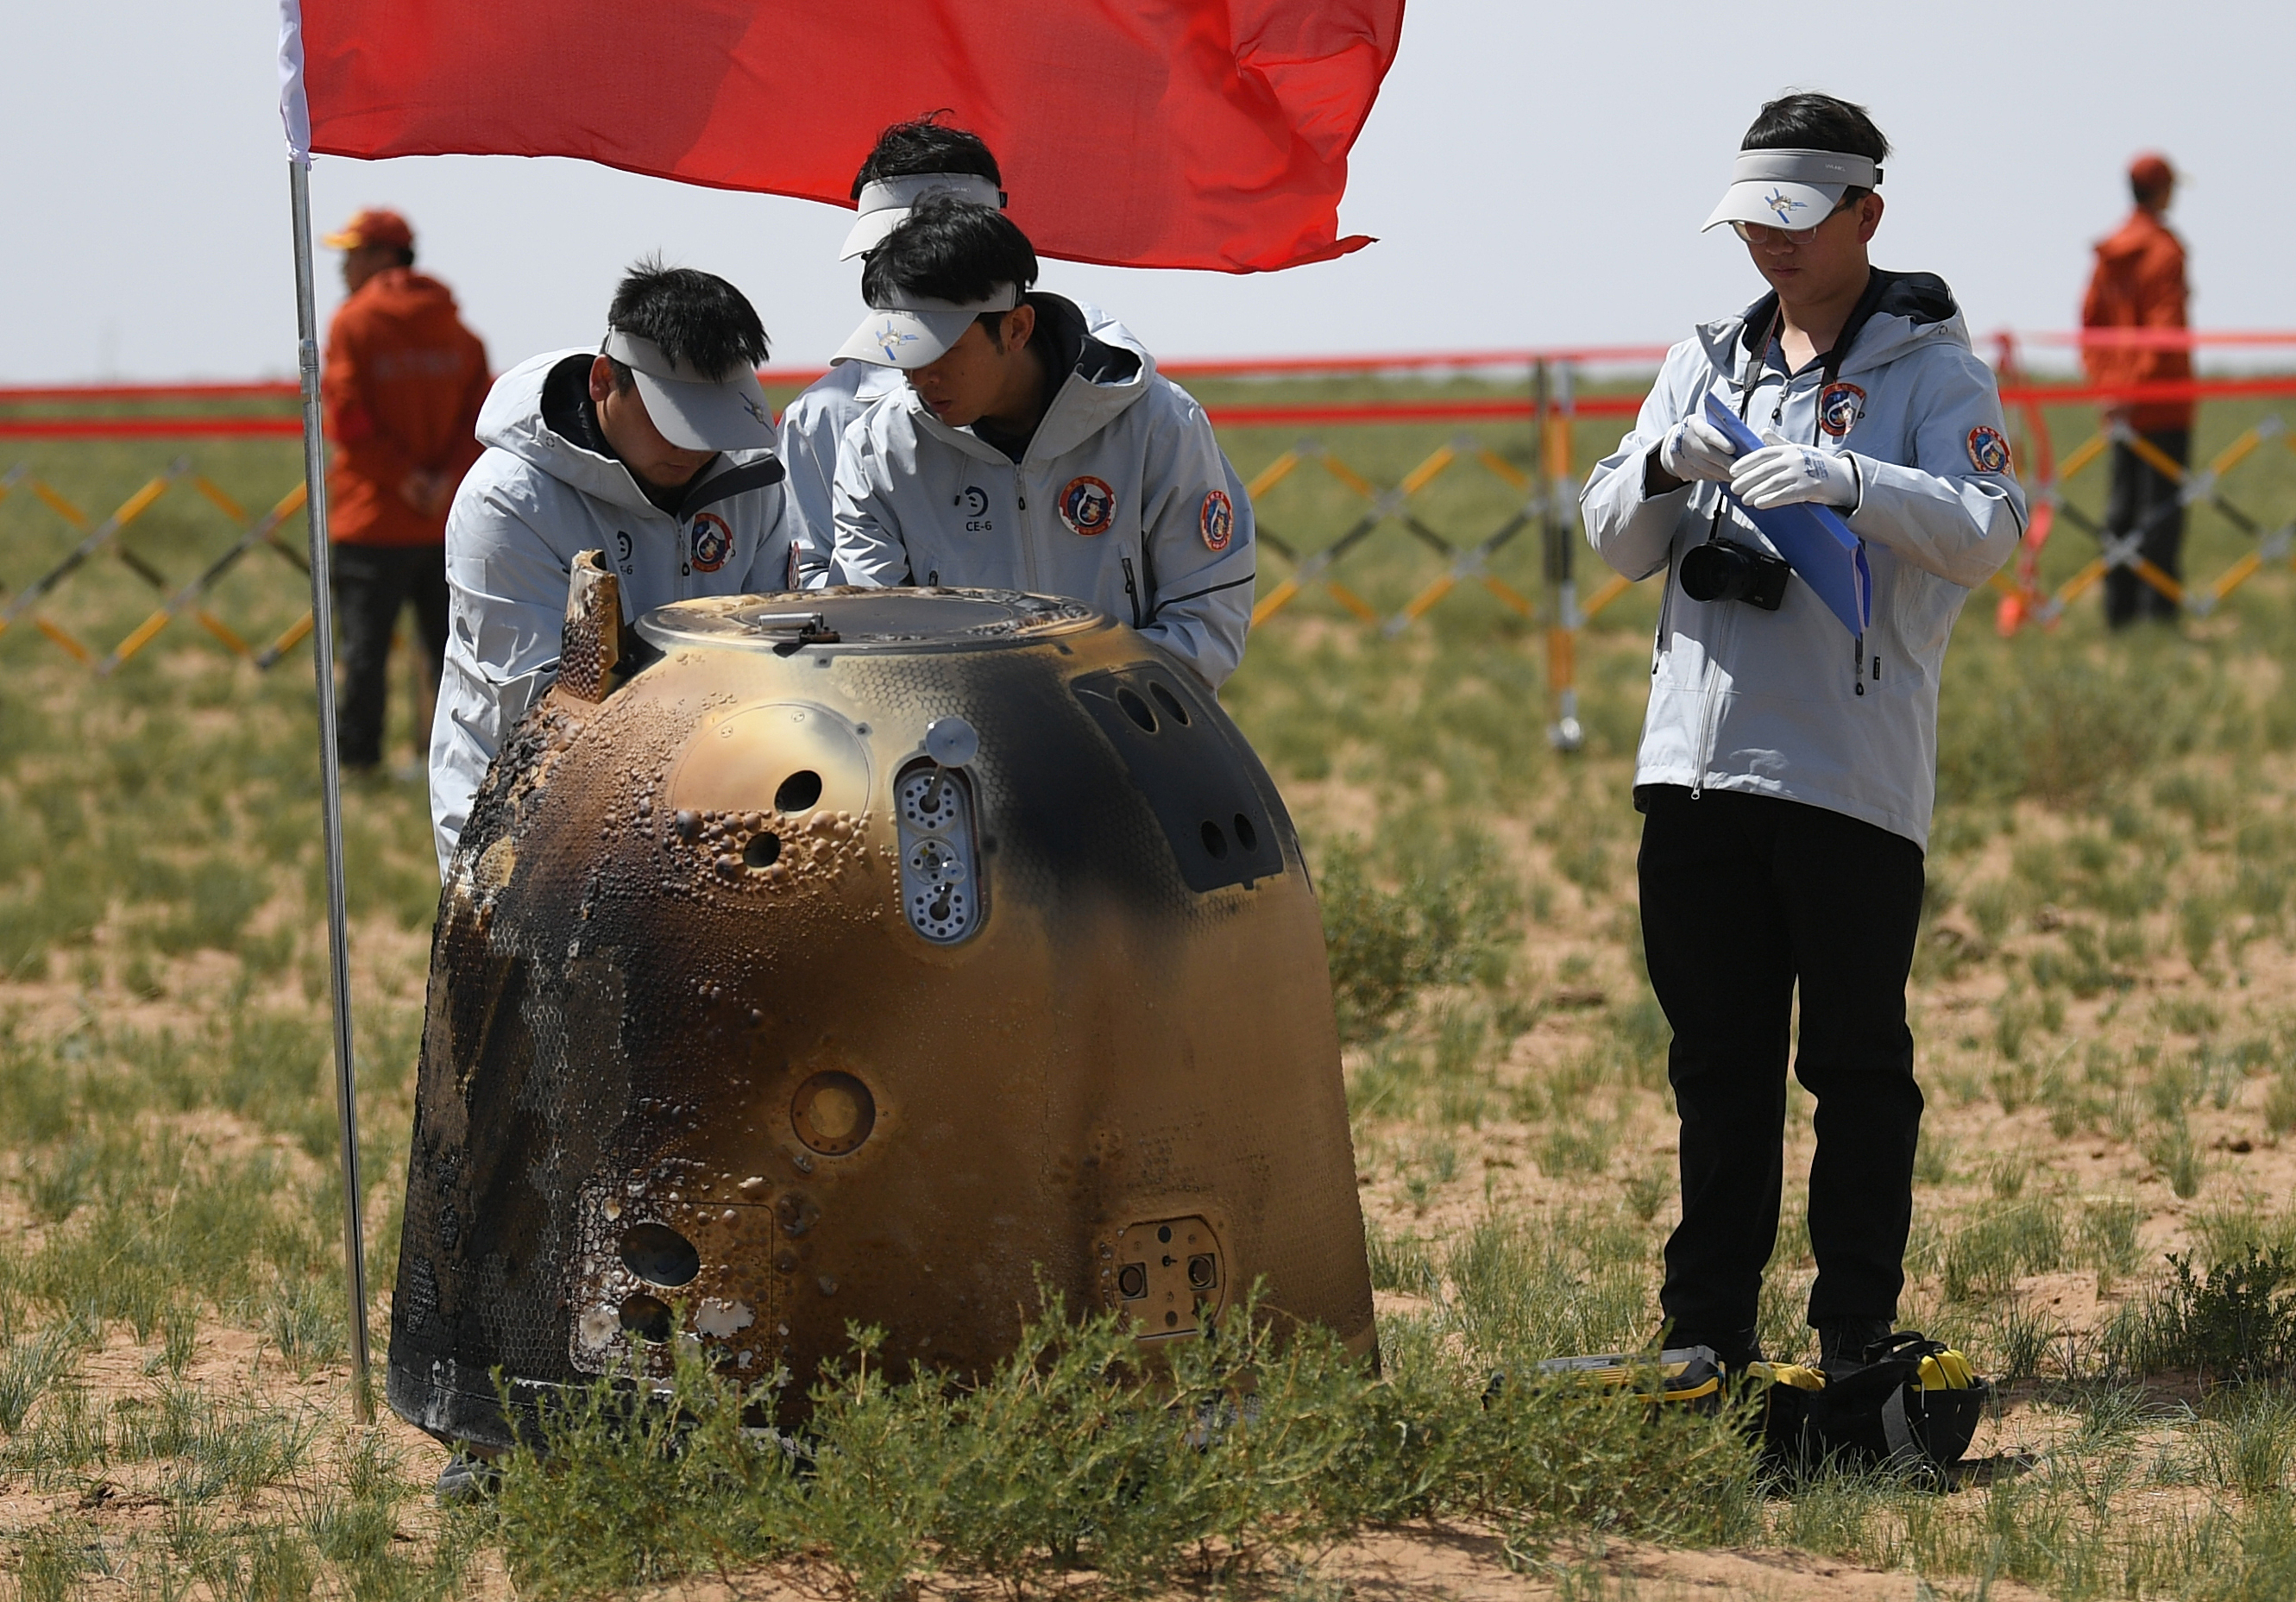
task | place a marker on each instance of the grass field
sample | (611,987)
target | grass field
(2104,1003)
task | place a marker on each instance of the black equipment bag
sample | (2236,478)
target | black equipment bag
(1913,1403)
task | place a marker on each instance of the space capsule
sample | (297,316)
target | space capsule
(864,957)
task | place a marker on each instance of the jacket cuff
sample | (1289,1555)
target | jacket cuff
(1652,492)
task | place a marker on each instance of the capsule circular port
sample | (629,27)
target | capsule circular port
(659,1254)
(645,1316)
(833,1112)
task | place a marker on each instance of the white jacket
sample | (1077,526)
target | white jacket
(814,425)
(1786,703)
(811,427)
(1123,500)
(536,499)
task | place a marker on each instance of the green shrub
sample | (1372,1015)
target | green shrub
(1987,1257)
(2234,1320)
(1446,924)
(1196,1464)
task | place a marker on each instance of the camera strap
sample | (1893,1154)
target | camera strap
(1752,371)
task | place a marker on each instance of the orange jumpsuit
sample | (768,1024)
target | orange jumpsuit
(2139,282)
(403,384)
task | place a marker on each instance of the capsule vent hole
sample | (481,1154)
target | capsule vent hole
(1167,703)
(1246,835)
(646,1317)
(1131,1281)
(1215,841)
(798,791)
(658,1255)
(762,851)
(1136,709)
(1202,1273)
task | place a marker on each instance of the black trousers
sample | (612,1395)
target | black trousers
(2145,500)
(371,583)
(1744,898)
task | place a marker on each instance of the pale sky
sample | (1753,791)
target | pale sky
(1536,176)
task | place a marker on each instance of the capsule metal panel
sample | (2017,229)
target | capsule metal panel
(675,996)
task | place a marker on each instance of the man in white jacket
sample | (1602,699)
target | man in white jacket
(1788,767)
(910,160)
(1029,451)
(655,449)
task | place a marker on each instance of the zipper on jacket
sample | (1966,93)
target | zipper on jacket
(1131,592)
(1709,712)
(1027,540)
(1858,671)
(932,578)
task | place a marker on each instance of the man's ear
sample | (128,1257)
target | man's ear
(1020,323)
(601,380)
(1869,217)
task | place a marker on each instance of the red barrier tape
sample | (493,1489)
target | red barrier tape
(1499,408)
(1274,414)
(2195,389)
(67,394)
(1496,408)
(2160,338)
(147,428)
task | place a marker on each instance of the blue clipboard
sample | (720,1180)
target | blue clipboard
(1814,541)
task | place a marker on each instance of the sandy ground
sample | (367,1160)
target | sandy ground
(1468,1563)
(1572,966)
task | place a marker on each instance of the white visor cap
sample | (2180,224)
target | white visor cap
(695,411)
(915,331)
(1791,189)
(884,205)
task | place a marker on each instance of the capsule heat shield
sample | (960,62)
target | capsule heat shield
(748,1020)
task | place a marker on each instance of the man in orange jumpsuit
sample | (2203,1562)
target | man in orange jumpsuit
(403,384)
(2139,284)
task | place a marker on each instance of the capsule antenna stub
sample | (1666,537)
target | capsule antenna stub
(951,741)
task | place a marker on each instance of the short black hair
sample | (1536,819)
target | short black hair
(926,144)
(950,249)
(406,256)
(1807,121)
(696,317)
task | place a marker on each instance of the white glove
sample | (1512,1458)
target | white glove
(1694,448)
(1781,474)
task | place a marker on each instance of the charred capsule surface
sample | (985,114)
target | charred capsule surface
(865,957)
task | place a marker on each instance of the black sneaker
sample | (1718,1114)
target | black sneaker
(1842,1344)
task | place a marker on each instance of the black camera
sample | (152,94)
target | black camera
(1725,570)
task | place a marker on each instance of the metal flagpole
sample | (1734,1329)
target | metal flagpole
(331,780)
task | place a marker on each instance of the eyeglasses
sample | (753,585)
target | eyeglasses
(1763,234)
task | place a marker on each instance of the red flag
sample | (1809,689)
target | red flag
(1136,133)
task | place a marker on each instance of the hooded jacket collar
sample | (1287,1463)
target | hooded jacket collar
(2140,233)
(1897,311)
(403,289)
(1101,373)
(516,419)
